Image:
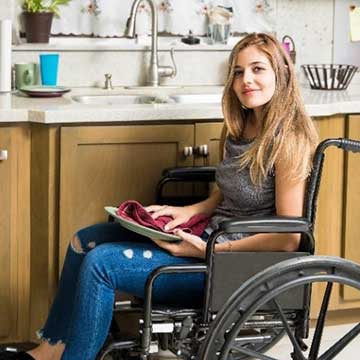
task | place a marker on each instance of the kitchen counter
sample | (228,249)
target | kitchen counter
(16,107)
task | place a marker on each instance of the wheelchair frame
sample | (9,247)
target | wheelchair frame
(213,332)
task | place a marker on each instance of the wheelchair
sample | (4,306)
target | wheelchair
(251,299)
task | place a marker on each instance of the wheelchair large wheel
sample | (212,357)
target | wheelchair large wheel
(229,336)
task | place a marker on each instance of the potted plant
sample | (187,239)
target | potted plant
(38,15)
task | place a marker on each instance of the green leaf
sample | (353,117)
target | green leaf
(39,6)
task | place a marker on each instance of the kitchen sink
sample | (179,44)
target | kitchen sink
(197,98)
(146,99)
(109,99)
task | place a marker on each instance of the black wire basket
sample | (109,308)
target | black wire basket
(329,76)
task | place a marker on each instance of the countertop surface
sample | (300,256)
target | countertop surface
(16,107)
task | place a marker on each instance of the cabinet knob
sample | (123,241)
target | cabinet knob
(201,150)
(188,151)
(3,155)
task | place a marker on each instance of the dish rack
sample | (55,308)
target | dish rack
(329,76)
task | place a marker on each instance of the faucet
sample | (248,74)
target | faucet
(155,70)
(108,83)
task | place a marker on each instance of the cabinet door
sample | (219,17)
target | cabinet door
(5,236)
(107,165)
(352,203)
(208,134)
(14,233)
(329,219)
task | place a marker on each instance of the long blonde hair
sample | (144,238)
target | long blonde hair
(287,133)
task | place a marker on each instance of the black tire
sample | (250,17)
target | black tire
(267,290)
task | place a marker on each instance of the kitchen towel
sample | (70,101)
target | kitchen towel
(5,55)
(133,210)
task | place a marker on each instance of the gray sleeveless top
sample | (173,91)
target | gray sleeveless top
(241,196)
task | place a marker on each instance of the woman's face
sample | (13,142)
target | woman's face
(254,78)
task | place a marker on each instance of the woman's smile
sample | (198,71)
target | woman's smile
(249,91)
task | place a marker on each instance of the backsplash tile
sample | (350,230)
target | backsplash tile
(88,68)
(312,33)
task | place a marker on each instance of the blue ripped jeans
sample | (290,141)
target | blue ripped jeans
(110,258)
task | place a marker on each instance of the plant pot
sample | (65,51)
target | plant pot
(37,26)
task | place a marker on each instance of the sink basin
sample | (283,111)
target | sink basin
(145,99)
(197,98)
(109,99)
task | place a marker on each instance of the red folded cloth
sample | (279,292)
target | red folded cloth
(133,210)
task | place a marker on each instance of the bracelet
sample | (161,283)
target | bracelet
(229,245)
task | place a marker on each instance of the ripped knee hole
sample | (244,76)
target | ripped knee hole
(76,245)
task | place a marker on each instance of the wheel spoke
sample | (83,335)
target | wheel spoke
(315,345)
(291,336)
(252,353)
(339,345)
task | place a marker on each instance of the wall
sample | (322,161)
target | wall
(344,49)
(6,9)
(128,67)
(313,36)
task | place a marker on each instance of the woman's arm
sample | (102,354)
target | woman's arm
(289,201)
(207,206)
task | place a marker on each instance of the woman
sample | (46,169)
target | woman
(268,145)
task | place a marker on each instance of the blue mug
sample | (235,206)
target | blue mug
(49,64)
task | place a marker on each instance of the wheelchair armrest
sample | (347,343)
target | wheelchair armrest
(266,224)
(191,173)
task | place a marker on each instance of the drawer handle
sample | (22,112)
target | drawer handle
(188,151)
(202,150)
(3,155)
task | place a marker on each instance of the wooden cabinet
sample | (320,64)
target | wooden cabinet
(45,158)
(338,217)
(107,165)
(208,134)
(352,204)
(77,170)
(14,232)
(329,217)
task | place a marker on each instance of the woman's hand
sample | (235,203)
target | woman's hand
(190,246)
(179,214)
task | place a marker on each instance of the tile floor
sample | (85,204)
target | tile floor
(331,335)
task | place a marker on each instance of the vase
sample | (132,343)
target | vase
(37,26)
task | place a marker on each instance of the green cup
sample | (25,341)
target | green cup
(26,74)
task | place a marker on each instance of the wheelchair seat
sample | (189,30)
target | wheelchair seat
(251,299)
